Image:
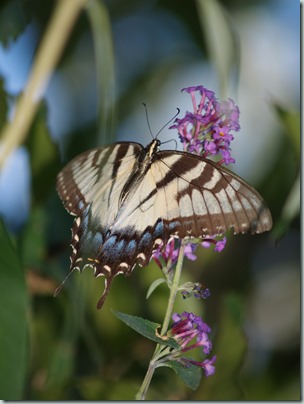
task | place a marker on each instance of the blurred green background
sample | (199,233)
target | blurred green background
(119,55)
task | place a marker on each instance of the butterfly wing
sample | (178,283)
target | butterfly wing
(128,200)
(209,198)
(184,195)
(90,187)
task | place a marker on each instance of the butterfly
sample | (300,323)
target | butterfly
(129,199)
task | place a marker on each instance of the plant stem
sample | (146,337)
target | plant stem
(141,395)
(173,289)
(52,45)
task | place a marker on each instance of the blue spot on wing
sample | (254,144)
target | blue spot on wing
(145,241)
(159,229)
(173,225)
(113,250)
(80,205)
(110,243)
(131,247)
(117,250)
(97,240)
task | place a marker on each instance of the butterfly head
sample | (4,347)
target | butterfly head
(153,147)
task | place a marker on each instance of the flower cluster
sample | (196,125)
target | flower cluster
(207,130)
(167,257)
(219,244)
(191,332)
(197,289)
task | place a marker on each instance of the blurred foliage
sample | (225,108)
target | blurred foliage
(14,324)
(13,21)
(291,209)
(44,166)
(3,102)
(65,349)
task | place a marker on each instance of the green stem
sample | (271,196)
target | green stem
(173,289)
(49,52)
(141,395)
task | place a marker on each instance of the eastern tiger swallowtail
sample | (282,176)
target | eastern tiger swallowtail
(128,199)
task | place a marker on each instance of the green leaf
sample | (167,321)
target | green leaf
(291,121)
(44,157)
(13,320)
(154,285)
(32,241)
(105,68)
(221,40)
(3,102)
(13,21)
(290,210)
(146,328)
(191,375)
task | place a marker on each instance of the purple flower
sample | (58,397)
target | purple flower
(196,289)
(169,254)
(187,327)
(207,365)
(201,292)
(163,255)
(219,244)
(191,332)
(207,130)
(189,251)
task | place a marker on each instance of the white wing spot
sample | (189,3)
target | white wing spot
(185,206)
(107,268)
(198,203)
(211,202)
(157,242)
(235,184)
(245,203)
(233,197)
(123,265)
(224,201)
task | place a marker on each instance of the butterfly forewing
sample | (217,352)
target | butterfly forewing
(90,187)
(128,200)
(215,197)
(96,177)
(189,196)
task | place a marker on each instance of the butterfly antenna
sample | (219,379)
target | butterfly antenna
(147,118)
(166,124)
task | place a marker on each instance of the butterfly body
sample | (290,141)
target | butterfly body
(128,199)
